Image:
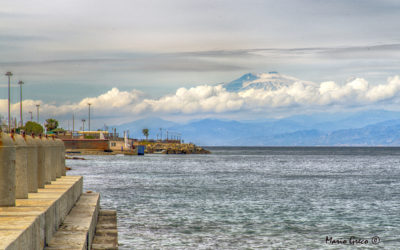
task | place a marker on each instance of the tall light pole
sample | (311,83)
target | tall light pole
(89,115)
(30,112)
(83,125)
(20,102)
(9,74)
(37,114)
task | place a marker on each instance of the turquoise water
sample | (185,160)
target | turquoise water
(249,198)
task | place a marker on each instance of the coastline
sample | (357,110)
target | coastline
(150,148)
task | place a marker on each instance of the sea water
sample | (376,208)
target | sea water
(249,198)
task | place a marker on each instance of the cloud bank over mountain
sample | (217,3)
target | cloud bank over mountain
(261,95)
(217,99)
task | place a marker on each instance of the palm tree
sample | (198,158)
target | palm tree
(51,124)
(145,132)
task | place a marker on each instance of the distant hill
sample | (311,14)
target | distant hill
(373,127)
(380,134)
(368,127)
(153,124)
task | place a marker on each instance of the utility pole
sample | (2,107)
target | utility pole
(89,115)
(9,74)
(161,134)
(30,112)
(73,123)
(37,107)
(20,103)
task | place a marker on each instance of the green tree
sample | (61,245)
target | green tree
(145,132)
(51,124)
(33,127)
(58,130)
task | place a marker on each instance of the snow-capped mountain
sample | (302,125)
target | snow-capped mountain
(268,81)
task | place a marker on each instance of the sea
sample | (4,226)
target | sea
(252,197)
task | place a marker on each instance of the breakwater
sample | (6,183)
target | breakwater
(174,148)
(41,207)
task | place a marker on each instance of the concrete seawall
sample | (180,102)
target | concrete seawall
(33,221)
(41,207)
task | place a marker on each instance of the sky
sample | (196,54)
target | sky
(133,59)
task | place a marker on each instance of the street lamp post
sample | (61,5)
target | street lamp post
(30,112)
(37,107)
(9,74)
(89,115)
(83,125)
(20,103)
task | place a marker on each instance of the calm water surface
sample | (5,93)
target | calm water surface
(248,198)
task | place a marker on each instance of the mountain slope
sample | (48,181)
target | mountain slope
(374,127)
(153,124)
(267,81)
(381,134)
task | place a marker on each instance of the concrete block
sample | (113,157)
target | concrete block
(7,170)
(32,161)
(68,240)
(105,213)
(101,246)
(7,237)
(41,164)
(33,221)
(25,228)
(53,158)
(78,228)
(106,231)
(21,166)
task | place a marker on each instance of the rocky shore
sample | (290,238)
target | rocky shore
(174,148)
(150,148)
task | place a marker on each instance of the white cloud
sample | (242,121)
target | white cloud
(384,91)
(114,103)
(113,99)
(216,99)
(200,99)
(117,105)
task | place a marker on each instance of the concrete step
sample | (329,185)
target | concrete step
(106,237)
(78,228)
(34,221)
